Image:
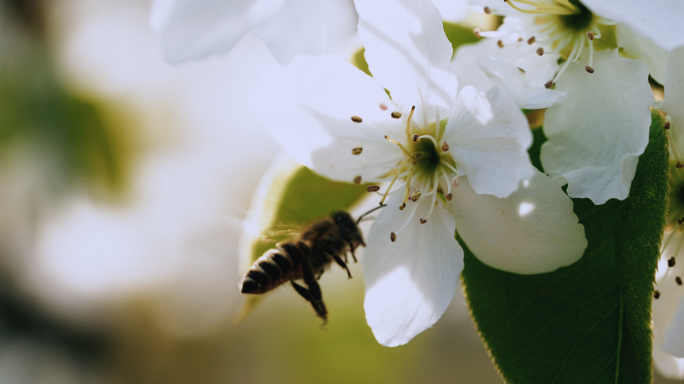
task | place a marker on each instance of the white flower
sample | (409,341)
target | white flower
(192,29)
(444,161)
(599,129)
(668,309)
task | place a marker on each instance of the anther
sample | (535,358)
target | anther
(357,180)
(500,44)
(383,106)
(678,280)
(521,70)
(423,221)
(415,196)
(373,188)
(357,150)
(671,262)
(476,32)
(401,207)
(679,165)
(415,138)
(531,40)
(540,51)
(667,125)
(656,294)
(549,84)
(356,119)
(588,69)
(590,35)
(396,115)
(680,221)
(487,10)
(445,147)
(449,196)
(393,237)
(519,39)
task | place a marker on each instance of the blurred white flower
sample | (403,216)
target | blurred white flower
(340,122)
(596,151)
(193,29)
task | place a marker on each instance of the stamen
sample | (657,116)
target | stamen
(408,184)
(656,294)
(679,165)
(500,44)
(415,196)
(396,115)
(357,180)
(383,106)
(449,196)
(487,10)
(357,150)
(588,69)
(548,84)
(476,32)
(429,137)
(678,280)
(356,119)
(423,221)
(590,35)
(446,178)
(408,123)
(394,179)
(667,125)
(399,144)
(542,9)
(415,138)
(373,188)
(413,212)
(434,198)
(567,62)
(540,51)
(531,40)
(393,237)
(579,51)
(445,147)
(671,262)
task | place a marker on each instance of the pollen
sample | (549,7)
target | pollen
(356,119)
(357,150)
(415,196)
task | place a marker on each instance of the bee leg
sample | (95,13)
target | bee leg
(342,264)
(316,297)
(321,274)
(352,252)
(303,292)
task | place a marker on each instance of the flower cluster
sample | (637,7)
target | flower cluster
(443,140)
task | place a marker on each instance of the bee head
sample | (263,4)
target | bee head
(348,228)
(343,218)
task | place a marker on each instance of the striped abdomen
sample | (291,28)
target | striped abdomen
(274,268)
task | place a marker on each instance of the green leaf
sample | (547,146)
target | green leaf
(589,322)
(289,197)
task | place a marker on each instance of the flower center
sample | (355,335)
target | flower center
(563,27)
(425,164)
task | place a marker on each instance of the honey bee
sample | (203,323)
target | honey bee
(319,244)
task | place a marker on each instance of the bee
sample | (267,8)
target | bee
(306,258)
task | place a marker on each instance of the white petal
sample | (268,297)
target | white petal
(307,108)
(598,131)
(192,29)
(489,136)
(532,231)
(640,48)
(466,68)
(674,93)
(410,282)
(495,6)
(666,308)
(511,80)
(674,338)
(658,20)
(452,10)
(408,52)
(295,29)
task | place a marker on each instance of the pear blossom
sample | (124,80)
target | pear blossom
(599,114)
(193,29)
(440,161)
(668,308)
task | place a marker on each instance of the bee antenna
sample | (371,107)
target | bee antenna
(369,212)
